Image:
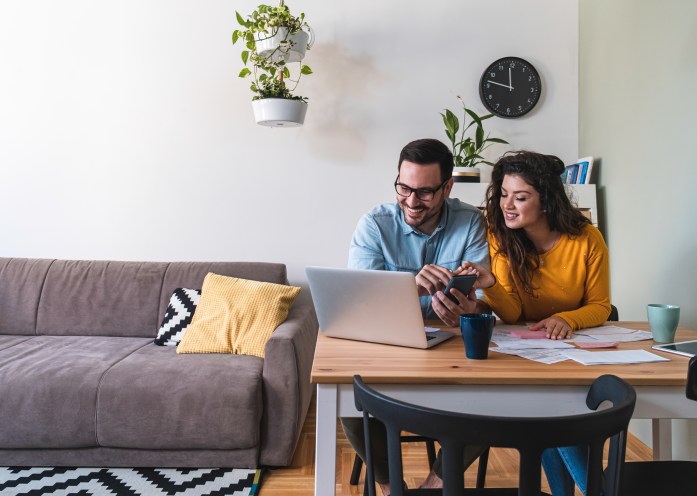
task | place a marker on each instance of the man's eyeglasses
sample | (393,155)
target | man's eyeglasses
(424,194)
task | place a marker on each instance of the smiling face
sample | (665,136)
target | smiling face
(520,204)
(422,214)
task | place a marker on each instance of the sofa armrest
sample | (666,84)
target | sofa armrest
(287,390)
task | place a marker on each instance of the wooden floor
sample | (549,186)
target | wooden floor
(298,479)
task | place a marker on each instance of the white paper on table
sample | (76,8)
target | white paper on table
(610,333)
(537,355)
(431,329)
(533,344)
(537,350)
(612,357)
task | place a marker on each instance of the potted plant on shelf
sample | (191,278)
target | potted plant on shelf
(273,39)
(467,150)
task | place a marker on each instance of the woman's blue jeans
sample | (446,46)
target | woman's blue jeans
(565,467)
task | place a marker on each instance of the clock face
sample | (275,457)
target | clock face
(510,87)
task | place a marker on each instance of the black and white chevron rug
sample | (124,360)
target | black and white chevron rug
(64,481)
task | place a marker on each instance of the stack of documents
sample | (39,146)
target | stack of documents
(553,351)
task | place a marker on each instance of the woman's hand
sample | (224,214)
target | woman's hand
(556,328)
(448,311)
(485,278)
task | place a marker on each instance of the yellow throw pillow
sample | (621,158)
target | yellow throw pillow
(236,315)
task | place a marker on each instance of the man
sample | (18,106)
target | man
(430,235)
(425,232)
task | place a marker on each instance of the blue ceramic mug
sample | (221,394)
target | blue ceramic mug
(476,329)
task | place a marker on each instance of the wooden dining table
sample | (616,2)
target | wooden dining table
(442,377)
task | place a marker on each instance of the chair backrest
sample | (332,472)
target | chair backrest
(614,314)
(529,435)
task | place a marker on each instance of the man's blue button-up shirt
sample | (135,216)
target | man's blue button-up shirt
(384,241)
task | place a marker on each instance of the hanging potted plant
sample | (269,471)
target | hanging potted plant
(467,150)
(273,39)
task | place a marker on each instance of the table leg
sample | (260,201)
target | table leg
(662,439)
(325,441)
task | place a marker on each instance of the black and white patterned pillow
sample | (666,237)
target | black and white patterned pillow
(178,316)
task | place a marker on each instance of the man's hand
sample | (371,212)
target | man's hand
(431,279)
(450,312)
(556,328)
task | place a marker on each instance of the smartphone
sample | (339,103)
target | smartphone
(463,283)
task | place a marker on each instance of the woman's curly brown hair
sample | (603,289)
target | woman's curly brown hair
(542,172)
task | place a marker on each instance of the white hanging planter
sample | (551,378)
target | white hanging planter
(279,112)
(282,46)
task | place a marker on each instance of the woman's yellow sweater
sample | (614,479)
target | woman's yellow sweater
(572,282)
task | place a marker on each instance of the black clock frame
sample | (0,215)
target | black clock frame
(519,98)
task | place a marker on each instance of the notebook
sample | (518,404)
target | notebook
(377,306)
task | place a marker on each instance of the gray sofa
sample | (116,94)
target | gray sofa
(82,384)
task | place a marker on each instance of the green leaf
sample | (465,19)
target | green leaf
(305,70)
(474,116)
(241,20)
(497,140)
(451,122)
(479,137)
(235,36)
(245,56)
(286,72)
(245,72)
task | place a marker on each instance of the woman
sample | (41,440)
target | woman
(549,266)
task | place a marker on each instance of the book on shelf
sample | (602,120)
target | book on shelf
(578,172)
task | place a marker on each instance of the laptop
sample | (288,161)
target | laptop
(377,306)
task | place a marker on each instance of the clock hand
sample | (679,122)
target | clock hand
(504,85)
(510,80)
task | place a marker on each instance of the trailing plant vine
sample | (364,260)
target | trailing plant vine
(270,72)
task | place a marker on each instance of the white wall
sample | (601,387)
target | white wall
(126,134)
(638,107)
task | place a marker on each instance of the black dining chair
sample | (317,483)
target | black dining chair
(430,445)
(674,477)
(530,436)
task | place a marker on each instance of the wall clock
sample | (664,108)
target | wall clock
(510,87)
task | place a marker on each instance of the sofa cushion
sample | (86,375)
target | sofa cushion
(101,298)
(236,316)
(48,388)
(156,399)
(180,310)
(21,283)
(10,341)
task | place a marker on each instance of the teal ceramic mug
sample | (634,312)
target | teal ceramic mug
(663,320)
